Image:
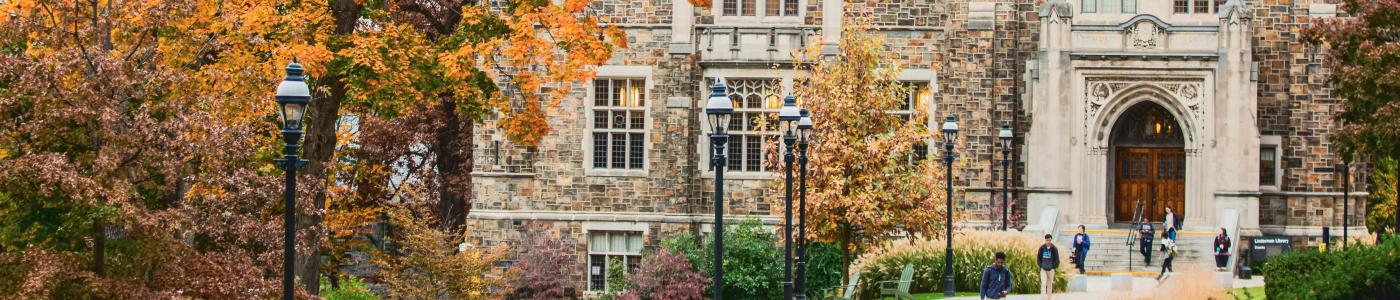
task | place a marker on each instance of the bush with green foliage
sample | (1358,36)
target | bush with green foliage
(1361,272)
(351,288)
(753,262)
(823,268)
(973,251)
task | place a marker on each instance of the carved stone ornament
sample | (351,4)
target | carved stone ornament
(1145,35)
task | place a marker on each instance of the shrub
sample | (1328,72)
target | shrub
(351,288)
(753,263)
(426,263)
(823,268)
(666,275)
(1363,272)
(537,274)
(972,253)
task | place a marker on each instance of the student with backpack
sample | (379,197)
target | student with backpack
(1048,258)
(1170,244)
(1081,249)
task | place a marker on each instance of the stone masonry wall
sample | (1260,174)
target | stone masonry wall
(1296,103)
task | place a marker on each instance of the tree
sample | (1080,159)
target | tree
(865,180)
(437,67)
(135,155)
(1364,58)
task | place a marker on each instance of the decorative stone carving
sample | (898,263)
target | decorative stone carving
(1145,35)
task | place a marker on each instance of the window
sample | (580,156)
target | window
(1202,6)
(1268,165)
(916,96)
(604,247)
(754,123)
(619,124)
(771,7)
(1129,6)
(1195,6)
(1089,6)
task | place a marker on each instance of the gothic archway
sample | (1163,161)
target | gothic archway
(1148,163)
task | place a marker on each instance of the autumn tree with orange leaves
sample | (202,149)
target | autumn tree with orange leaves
(419,81)
(136,146)
(863,184)
(137,143)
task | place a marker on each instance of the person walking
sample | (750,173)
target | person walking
(1081,249)
(1170,244)
(1145,234)
(996,279)
(1048,258)
(1169,224)
(1222,249)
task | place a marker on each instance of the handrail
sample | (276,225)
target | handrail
(1132,231)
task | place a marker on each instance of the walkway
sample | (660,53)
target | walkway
(1143,288)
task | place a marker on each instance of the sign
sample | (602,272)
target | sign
(1263,247)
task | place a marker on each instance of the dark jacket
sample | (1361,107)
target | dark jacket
(1222,245)
(995,282)
(1048,258)
(1146,232)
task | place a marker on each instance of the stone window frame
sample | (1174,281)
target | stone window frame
(590,227)
(643,73)
(784,77)
(703,145)
(1099,7)
(912,102)
(760,13)
(1191,7)
(1275,143)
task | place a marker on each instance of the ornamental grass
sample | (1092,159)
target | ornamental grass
(972,252)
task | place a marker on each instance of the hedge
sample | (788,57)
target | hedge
(972,253)
(1361,272)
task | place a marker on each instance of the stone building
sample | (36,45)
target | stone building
(1214,108)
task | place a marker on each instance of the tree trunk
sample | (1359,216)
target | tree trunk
(319,148)
(99,247)
(452,148)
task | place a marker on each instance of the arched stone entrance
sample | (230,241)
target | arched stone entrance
(1147,162)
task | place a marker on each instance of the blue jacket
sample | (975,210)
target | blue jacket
(995,281)
(1084,246)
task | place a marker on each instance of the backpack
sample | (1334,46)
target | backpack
(1177,220)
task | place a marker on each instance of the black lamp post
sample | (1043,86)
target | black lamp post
(292,97)
(804,136)
(1346,200)
(950,135)
(788,116)
(718,108)
(1005,136)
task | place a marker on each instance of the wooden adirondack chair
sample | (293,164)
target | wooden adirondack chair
(898,288)
(850,288)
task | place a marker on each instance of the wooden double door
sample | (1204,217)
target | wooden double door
(1156,176)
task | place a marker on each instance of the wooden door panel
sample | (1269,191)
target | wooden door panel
(1155,176)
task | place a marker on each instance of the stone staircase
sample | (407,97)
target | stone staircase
(1110,253)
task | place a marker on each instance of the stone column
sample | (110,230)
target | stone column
(831,26)
(1048,173)
(1235,146)
(682,24)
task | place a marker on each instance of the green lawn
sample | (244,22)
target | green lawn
(1254,293)
(939,295)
